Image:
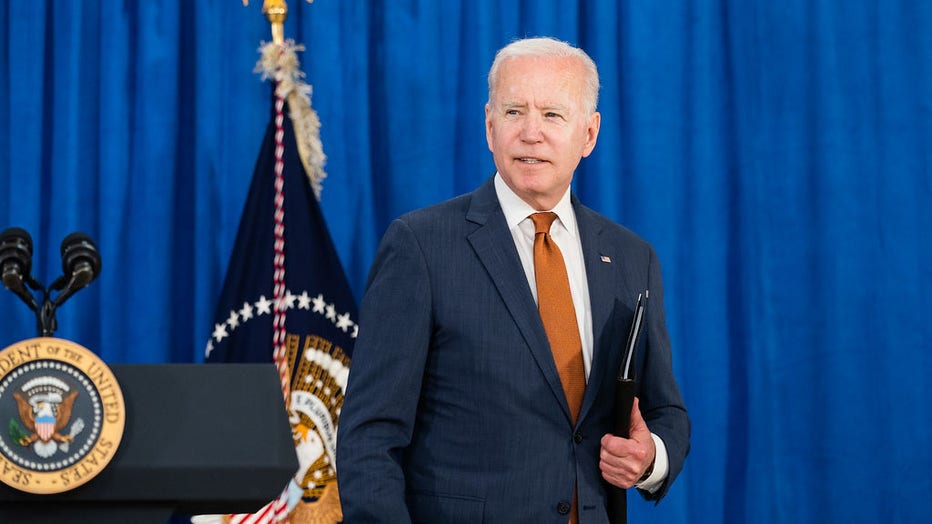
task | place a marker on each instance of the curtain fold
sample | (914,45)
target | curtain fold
(777,155)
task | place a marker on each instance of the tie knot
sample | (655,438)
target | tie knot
(543,221)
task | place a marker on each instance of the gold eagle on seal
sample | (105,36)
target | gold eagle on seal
(51,418)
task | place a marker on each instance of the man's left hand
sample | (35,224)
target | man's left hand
(624,461)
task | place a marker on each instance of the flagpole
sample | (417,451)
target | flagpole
(311,495)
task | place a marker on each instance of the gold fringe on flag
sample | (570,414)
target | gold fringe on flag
(280,63)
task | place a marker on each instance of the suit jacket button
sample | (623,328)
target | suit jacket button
(563,507)
(577,438)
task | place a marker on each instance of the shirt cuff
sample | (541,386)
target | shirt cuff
(661,468)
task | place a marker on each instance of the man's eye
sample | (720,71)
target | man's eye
(551,114)
(511,112)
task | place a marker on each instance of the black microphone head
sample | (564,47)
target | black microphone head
(16,263)
(79,253)
(16,248)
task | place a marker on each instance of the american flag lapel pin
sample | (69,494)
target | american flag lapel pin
(605,258)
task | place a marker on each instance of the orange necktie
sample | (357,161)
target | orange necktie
(555,304)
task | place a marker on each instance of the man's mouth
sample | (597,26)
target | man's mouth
(529,160)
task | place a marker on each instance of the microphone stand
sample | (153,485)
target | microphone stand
(46,318)
(46,323)
(80,260)
(45,313)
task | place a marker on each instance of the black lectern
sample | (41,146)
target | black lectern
(199,438)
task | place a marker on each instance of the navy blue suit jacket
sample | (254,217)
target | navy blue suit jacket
(454,410)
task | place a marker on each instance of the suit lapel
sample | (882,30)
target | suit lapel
(602,264)
(495,247)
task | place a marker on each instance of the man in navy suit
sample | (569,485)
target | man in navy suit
(455,411)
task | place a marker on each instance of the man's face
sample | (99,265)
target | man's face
(537,126)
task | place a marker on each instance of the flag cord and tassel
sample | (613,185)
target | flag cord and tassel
(278,290)
(280,63)
(279,509)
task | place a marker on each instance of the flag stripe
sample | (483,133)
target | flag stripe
(275,511)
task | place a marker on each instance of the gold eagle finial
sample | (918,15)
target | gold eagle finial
(276,11)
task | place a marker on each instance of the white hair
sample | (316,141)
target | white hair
(549,47)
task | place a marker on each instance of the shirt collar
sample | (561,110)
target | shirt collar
(516,210)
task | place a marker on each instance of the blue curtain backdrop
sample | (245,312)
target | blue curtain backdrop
(777,154)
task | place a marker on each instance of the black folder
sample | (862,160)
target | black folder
(625,387)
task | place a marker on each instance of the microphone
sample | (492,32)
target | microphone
(16,264)
(80,263)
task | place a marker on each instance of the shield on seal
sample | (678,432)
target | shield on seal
(45,427)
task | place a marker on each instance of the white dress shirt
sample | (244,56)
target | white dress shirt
(565,233)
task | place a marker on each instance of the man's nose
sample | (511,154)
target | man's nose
(531,128)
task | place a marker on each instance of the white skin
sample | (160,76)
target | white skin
(537,127)
(623,461)
(538,130)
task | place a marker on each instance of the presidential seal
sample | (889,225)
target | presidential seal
(318,382)
(61,415)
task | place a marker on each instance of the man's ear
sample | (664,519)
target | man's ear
(488,126)
(592,132)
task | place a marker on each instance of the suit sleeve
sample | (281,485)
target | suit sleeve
(661,403)
(380,405)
